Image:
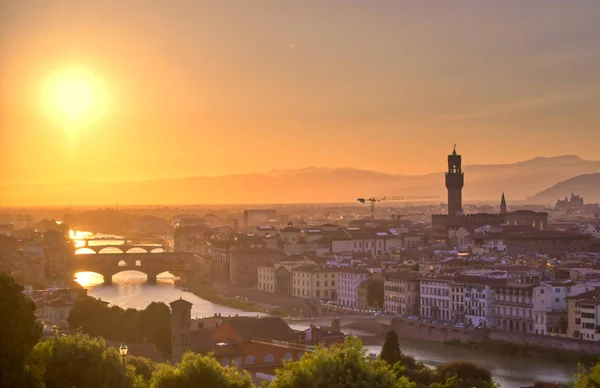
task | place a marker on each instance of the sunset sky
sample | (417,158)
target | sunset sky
(127,90)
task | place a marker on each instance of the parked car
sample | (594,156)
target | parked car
(413,318)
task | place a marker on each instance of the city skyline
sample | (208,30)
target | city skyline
(108,92)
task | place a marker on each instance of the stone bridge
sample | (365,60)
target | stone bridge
(124,248)
(152,264)
(344,320)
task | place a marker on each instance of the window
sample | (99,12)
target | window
(225,361)
(249,360)
(288,356)
(269,358)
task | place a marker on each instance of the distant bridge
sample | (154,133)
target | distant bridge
(124,248)
(152,264)
(344,320)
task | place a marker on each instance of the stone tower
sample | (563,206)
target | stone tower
(503,205)
(181,328)
(455,181)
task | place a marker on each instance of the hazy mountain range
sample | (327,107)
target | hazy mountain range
(586,185)
(519,181)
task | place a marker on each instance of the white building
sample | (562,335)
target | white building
(436,297)
(348,282)
(550,305)
(479,301)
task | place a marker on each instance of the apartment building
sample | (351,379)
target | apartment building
(277,278)
(401,292)
(513,307)
(436,297)
(348,284)
(583,313)
(550,305)
(315,282)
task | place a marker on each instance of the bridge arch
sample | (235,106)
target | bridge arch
(110,250)
(85,251)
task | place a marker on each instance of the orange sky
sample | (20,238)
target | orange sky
(222,87)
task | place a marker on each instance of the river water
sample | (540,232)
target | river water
(129,290)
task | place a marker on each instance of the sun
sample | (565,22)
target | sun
(74,97)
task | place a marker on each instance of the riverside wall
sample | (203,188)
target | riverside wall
(429,332)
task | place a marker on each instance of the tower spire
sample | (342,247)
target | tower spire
(503,205)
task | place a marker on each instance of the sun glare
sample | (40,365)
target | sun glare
(75,97)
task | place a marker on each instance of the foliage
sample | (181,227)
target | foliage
(462,374)
(345,365)
(78,361)
(95,318)
(587,377)
(19,332)
(197,370)
(390,351)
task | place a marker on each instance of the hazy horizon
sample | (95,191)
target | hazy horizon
(129,91)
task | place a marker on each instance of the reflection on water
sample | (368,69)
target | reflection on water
(508,371)
(129,289)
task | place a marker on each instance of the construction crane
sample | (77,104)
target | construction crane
(372,200)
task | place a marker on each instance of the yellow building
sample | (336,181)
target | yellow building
(583,313)
(315,282)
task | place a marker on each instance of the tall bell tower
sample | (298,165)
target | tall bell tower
(455,180)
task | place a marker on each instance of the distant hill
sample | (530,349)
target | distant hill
(311,184)
(586,185)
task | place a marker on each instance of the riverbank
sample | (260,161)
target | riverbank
(208,293)
(525,349)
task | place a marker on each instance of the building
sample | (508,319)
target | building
(181,328)
(574,203)
(371,241)
(455,181)
(527,239)
(277,278)
(58,261)
(363,295)
(401,292)
(293,241)
(315,282)
(513,307)
(244,263)
(436,297)
(479,300)
(455,218)
(550,306)
(254,217)
(348,283)
(222,246)
(457,301)
(583,314)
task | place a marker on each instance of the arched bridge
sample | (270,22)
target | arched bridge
(123,248)
(152,264)
(344,320)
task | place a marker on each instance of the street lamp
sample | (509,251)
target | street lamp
(123,351)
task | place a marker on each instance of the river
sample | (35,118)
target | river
(129,290)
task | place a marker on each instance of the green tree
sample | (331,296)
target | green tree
(345,365)
(78,361)
(390,351)
(95,318)
(587,377)
(155,325)
(197,370)
(19,332)
(462,374)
